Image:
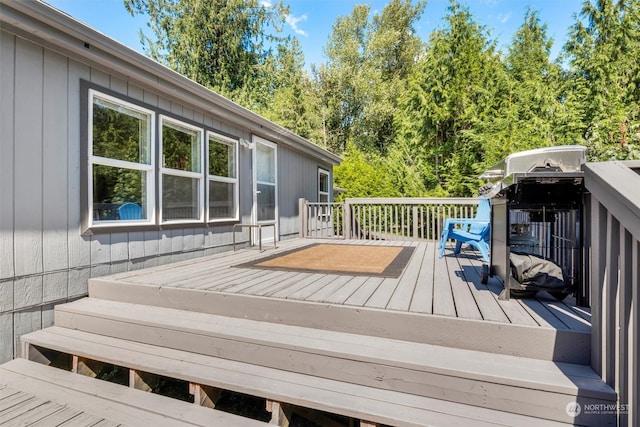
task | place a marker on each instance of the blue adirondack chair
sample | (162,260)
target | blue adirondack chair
(130,211)
(474,231)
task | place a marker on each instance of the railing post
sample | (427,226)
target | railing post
(415,221)
(302,210)
(346,215)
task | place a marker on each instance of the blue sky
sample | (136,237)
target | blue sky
(311,20)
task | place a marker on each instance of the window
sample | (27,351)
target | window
(144,167)
(121,165)
(323,186)
(181,172)
(222,177)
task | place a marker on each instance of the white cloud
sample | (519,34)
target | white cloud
(503,18)
(293,23)
(266,4)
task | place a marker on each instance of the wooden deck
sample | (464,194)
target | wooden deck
(306,341)
(431,294)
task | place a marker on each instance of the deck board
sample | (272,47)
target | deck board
(488,304)
(443,303)
(344,292)
(422,301)
(401,299)
(309,289)
(364,292)
(323,293)
(466,304)
(381,296)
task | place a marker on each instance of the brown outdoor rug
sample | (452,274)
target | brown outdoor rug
(356,260)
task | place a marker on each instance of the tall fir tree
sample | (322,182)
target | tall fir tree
(604,56)
(452,88)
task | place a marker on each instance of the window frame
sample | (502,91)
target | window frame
(325,172)
(93,160)
(152,188)
(221,139)
(162,171)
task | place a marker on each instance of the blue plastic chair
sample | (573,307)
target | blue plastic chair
(475,232)
(130,211)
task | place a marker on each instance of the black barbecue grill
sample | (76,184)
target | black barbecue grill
(536,219)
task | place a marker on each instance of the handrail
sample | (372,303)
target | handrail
(419,218)
(394,219)
(612,246)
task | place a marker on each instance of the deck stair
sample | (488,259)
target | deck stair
(32,394)
(375,379)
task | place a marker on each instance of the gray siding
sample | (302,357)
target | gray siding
(297,178)
(44,258)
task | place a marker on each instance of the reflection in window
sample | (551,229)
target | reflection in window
(121,159)
(323,186)
(266,202)
(223,180)
(266,167)
(113,187)
(181,147)
(180,198)
(181,171)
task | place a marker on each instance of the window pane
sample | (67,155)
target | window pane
(266,202)
(222,158)
(266,163)
(112,188)
(221,200)
(324,182)
(179,198)
(180,147)
(121,133)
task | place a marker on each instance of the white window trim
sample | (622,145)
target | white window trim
(185,174)
(236,193)
(105,161)
(328,192)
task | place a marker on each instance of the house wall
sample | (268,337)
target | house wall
(44,258)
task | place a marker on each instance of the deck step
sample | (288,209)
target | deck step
(535,342)
(500,382)
(352,400)
(35,394)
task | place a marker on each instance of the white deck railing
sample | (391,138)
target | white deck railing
(613,257)
(383,218)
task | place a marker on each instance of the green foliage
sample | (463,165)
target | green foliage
(604,53)
(221,44)
(449,92)
(369,60)
(414,118)
(363,175)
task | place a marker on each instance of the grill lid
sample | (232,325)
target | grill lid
(548,161)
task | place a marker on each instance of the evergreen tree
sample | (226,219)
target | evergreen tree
(291,100)
(221,44)
(450,91)
(604,54)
